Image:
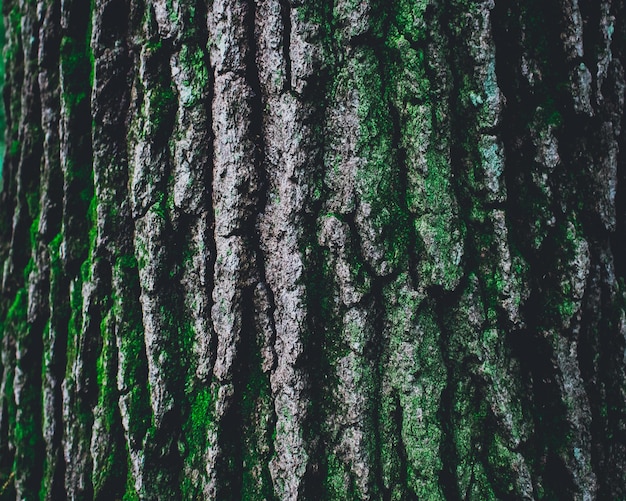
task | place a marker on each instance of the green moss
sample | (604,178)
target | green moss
(74,328)
(550,113)
(379,181)
(130,494)
(194,64)
(76,68)
(112,471)
(16,316)
(87,265)
(54,248)
(15,148)
(339,484)
(15,19)
(391,467)
(422,129)
(160,206)
(480,488)
(411,410)
(318,13)
(34,232)
(25,421)
(410,19)
(14,45)
(200,420)
(468,420)
(162,101)
(336,478)
(133,362)
(102,376)
(196,430)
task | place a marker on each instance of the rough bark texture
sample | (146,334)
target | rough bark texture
(276,249)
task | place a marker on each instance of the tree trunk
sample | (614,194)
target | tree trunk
(273,249)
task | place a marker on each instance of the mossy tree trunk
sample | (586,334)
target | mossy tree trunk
(273,249)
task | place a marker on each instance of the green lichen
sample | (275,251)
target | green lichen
(199,403)
(14,46)
(336,478)
(15,148)
(409,18)
(162,105)
(196,430)
(318,13)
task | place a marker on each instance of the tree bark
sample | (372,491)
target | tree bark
(273,249)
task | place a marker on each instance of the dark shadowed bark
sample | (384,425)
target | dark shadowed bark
(325,249)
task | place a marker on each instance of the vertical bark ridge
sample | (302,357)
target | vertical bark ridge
(159,241)
(113,240)
(151,423)
(255,405)
(349,366)
(191,263)
(239,456)
(614,30)
(604,331)
(293,100)
(558,154)
(488,421)
(12,102)
(51,200)
(74,247)
(28,312)
(529,168)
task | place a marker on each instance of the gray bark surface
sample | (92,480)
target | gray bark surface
(274,249)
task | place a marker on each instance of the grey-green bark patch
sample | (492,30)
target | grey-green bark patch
(132,361)
(110,457)
(196,76)
(76,67)
(415,379)
(377,182)
(197,429)
(161,98)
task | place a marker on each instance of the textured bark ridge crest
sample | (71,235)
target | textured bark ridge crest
(322,249)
